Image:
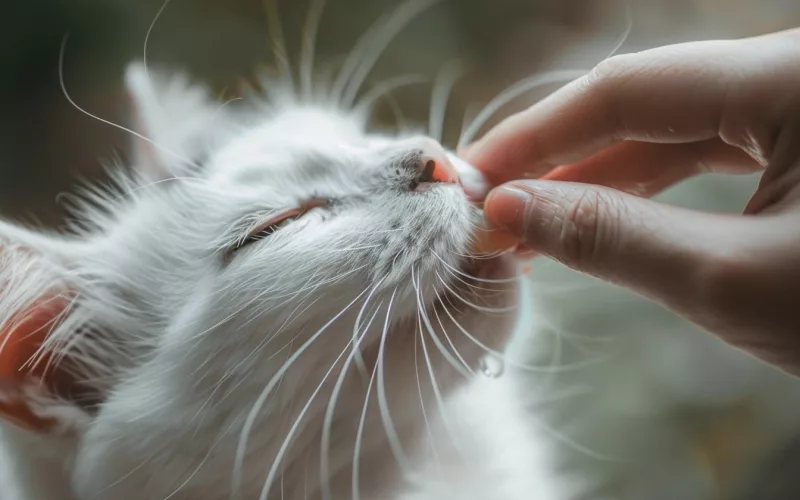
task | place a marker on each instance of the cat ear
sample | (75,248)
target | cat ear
(179,121)
(37,391)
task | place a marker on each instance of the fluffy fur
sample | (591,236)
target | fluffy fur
(338,357)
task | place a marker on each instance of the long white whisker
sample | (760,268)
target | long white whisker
(383,405)
(147,36)
(308,48)
(436,392)
(355,480)
(462,273)
(498,310)
(626,33)
(449,340)
(325,449)
(107,122)
(278,42)
(262,397)
(469,132)
(465,282)
(511,362)
(287,441)
(401,123)
(384,88)
(442,88)
(369,48)
(417,336)
(362,368)
(472,110)
(423,316)
(511,93)
(261,345)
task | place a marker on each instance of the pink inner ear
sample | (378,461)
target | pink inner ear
(20,382)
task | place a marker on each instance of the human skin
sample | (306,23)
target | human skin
(590,155)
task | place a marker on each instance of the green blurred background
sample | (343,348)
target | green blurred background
(46,145)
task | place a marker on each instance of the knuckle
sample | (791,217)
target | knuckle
(608,72)
(587,226)
(605,82)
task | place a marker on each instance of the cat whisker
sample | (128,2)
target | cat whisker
(472,110)
(236,478)
(194,473)
(440,95)
(308,48)
(325,449)
(493,310)
(421,316)
(362,368)
(261,295)
(510,361)
(511,93)
(449,340)
(351,61)
(255,352)
(287,441)
(351,249)
(383,89)
(371,46)
(278,42)
(144,462)
(383,404)
(417,336)
(482,256)
(474,287)
(108,122)
(355,478)
(397,111)
(147,36)
(626,32)
(266,340)
(466,275)
(148,185)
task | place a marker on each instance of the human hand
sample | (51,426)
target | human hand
(639,123)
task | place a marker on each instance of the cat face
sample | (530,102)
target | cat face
(229,315)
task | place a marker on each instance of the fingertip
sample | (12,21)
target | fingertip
(505,205)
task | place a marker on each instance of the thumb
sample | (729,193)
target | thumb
(660,251)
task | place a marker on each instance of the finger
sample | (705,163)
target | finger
(659,251)
(645,169)
(782,175)
(670,94)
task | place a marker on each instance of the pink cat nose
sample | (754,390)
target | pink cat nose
(435,166)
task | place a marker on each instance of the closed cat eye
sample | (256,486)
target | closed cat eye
(273,224)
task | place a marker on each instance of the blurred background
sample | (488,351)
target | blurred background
(658,410)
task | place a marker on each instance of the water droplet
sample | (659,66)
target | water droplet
(492,366)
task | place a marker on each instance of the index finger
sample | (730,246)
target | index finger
(671,94)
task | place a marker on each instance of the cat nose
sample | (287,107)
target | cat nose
(435,166)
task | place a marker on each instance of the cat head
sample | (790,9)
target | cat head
(258,249)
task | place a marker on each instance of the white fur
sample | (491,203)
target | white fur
(188,345)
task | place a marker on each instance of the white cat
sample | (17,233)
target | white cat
(281,305)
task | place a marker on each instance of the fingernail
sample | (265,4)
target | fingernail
(505,207)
